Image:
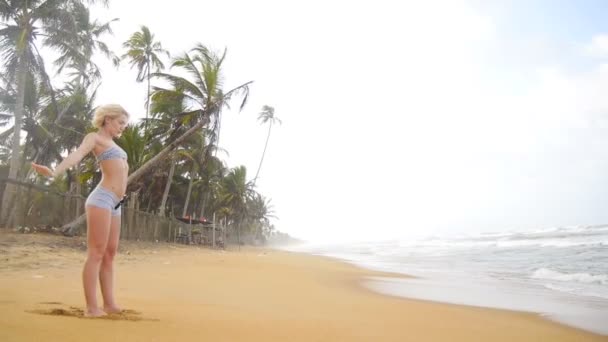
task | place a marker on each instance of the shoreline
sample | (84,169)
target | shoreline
(186,293)
(389,286)
(454,291)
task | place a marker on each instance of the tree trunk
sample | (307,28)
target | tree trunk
(163,203)
(205,198)
(147,100)
(263,154)
(149,203)
(16,144)
(78,191)
(238,234)
(69,202)
(185,210)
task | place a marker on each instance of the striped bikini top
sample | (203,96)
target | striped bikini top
(113,152)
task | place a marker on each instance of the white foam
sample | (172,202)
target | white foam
(548,274)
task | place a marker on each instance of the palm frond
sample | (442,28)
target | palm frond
(182,84)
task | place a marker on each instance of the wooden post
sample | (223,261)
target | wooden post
(224,233)
(169,233)
(213,231)
(26,222)
(143,226)
(130,213)
(152,236)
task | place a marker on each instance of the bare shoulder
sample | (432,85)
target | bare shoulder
(92,135)
(90,140)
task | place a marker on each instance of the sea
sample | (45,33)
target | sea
(560,273)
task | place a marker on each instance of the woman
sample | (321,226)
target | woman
(102,205)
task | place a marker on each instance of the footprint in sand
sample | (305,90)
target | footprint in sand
(72,311)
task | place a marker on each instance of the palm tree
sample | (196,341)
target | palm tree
(18,34)
(68,123)
(235,193)
(193,156)
(140,150)
(47,137)
(144,54)
(8,98)
(204,66)
(190,97)
(266,115)
(211,175)
(167,124)
(76,41)
(24,23)
(261,209)
(133,142)
(259,212)
(207,101)
(36,95)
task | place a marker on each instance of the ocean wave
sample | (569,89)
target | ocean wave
(548,274)
(561,288)
(578,289)
(505,243)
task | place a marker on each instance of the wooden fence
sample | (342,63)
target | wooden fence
(41,208)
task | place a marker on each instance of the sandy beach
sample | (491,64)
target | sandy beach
(187,293)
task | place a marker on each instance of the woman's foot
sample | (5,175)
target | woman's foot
(95,312)
(112,309)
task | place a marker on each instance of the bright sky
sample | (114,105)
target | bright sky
(404,119)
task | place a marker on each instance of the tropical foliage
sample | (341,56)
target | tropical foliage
(173,153)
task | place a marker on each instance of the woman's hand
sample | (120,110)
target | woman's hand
(43,170)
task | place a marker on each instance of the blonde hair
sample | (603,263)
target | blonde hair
(112,111)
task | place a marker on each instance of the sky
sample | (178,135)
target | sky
(403,119)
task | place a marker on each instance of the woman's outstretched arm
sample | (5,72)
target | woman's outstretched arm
(87,145)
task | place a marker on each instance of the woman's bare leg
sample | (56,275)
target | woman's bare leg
(98,230)
(106,272)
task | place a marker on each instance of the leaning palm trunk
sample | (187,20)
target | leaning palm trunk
(163,203)
(263,154)
(16,144)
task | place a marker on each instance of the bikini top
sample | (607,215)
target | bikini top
(113,152)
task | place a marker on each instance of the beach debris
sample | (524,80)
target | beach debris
(70,232)
(22,230)
(124,315)
(44,229)
(37,229)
